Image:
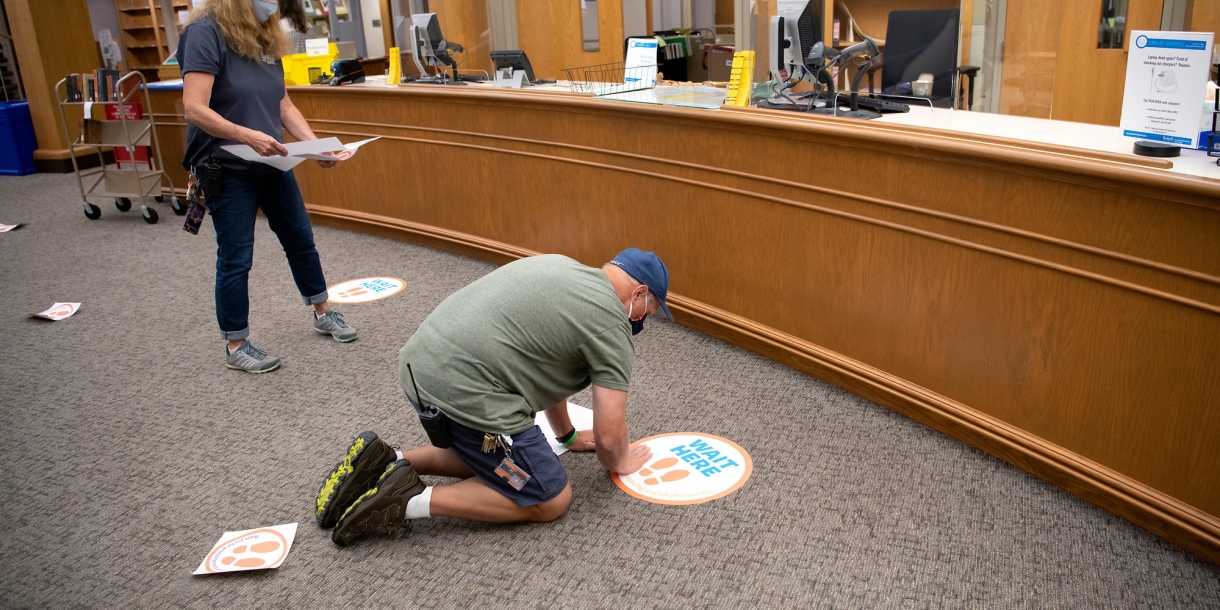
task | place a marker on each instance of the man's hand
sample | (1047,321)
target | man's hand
(584,441)
(637,456)
(263,144)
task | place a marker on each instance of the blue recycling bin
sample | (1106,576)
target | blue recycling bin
(17,142)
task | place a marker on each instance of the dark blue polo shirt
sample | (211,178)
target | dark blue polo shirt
(246,92)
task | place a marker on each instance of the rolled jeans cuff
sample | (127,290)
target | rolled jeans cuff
(233,335)
(317,298)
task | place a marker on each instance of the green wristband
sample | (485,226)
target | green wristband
(571,438)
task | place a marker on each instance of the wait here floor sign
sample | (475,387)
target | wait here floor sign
(688,468)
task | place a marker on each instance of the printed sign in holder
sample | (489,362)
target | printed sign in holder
(688,468)
(1165,85)
(365,289)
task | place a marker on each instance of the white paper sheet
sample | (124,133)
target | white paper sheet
(340,155)
(300,151)
(6,228)
(262,548)
(58,311)
(582,418)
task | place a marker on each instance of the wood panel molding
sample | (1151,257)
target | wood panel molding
(1130,499)
(1209,292)
(1121,176)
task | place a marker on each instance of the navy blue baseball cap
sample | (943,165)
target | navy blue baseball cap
(647,269)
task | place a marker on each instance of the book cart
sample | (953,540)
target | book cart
(122,133)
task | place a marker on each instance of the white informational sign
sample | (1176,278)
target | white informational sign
(6,228)
(365,289)
(59,311)
(1166,82)
(317,47)
(688,468)
(257,549)
(639,68)
(507,78)
(582,419)
(300,151)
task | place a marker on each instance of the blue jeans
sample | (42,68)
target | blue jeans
(233,214)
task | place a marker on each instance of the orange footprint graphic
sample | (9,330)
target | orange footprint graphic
(669,477)
(351,292)
(250,562)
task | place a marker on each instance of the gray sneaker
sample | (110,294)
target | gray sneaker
(251,359)
(332,324)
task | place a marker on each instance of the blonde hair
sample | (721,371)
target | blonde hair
(241,30)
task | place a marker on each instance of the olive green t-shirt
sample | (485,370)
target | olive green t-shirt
(519,340)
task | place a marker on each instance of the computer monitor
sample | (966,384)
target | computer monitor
(430,48)
(430,28)
(517,60)
(795,28)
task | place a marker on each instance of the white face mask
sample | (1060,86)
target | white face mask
(263,10)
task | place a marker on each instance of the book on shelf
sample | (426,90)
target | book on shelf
(90,91)
(90,131)
(73,84)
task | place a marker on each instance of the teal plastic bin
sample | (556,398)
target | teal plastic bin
(17,142)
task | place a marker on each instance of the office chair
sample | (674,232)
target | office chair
(925,41)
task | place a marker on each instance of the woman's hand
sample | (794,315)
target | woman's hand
(263,144)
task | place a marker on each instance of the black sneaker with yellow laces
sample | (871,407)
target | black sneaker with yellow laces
(382,509)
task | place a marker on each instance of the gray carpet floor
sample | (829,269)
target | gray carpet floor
(128,449)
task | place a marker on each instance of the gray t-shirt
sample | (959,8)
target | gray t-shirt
(519,340)
(246,92)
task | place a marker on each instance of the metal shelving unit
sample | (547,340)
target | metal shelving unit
(121,184)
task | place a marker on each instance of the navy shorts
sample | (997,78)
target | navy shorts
(531,453)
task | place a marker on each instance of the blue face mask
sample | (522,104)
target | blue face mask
(263,10)
(637,326)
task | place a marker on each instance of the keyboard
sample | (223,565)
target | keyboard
(873,103)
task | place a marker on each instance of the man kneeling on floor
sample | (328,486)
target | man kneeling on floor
(521,339)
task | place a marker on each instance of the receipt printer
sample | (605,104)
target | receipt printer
(346,71)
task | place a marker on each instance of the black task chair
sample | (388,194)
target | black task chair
(918,42)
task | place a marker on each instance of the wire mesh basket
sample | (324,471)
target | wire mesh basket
(604,79)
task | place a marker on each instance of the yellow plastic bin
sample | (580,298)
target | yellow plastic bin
(296,67)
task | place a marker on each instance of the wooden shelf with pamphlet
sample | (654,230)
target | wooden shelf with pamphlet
(123,130)
(143,33)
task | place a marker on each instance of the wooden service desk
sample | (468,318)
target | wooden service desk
(1057,308)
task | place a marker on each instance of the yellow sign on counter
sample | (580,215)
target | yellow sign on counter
(393,74)
(741,79)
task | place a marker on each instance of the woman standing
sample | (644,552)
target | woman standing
(294,24)
(233,93)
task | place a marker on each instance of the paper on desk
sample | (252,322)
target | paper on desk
(299,151)
(582,418)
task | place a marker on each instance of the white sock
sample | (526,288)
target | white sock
(318,316)
(398,455)
(233,350)
(420,507)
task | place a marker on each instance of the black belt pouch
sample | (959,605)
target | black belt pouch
(434,422)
